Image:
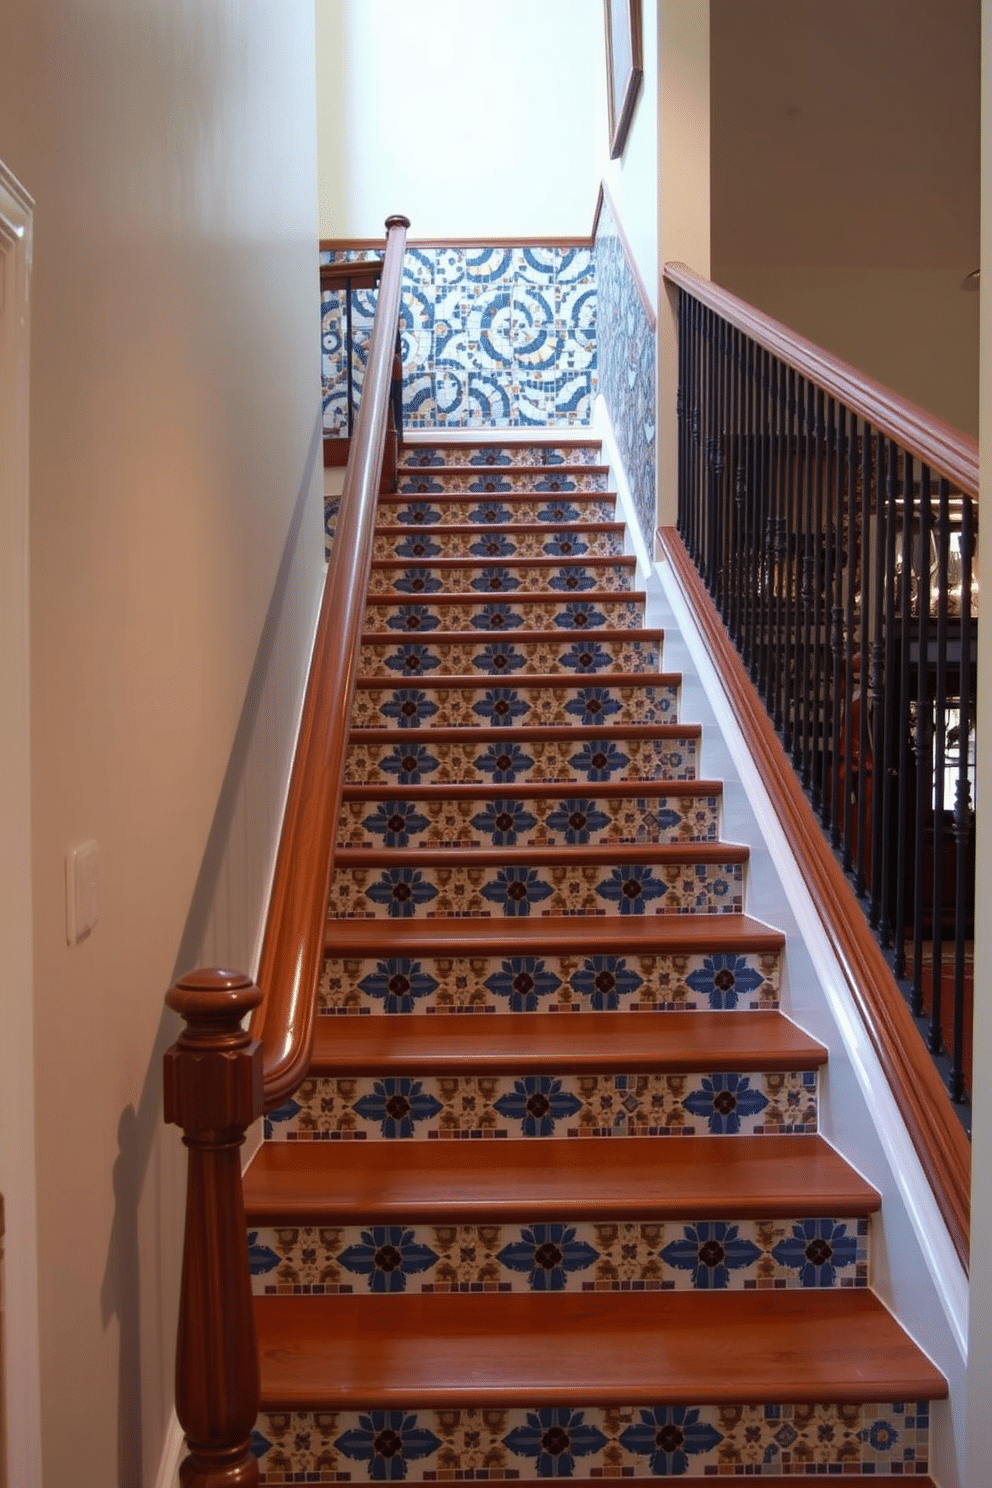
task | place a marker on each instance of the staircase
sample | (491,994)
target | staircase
(552,1201)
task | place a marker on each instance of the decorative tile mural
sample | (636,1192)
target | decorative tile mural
(722,1103)
(656,1256)
(626,343)
(491,338)
(487,1444)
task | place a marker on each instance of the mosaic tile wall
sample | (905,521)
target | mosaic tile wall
(492,338)
(626,346)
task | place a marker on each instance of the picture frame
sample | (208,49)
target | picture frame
(624,67)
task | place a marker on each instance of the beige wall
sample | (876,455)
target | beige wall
(175,556)
(845,182)
(473,120)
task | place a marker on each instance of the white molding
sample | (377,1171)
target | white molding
(173,1450)
(22,1391)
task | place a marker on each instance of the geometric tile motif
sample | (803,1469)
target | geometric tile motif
(418,456)
(553,484)
(566,652)
(497,546)
(563,1256)
(514,706)
(548,1107)
(486,1444)
(514,507)
(456,889)
(555,761)
(400,617)
(627,367)
(513,573)
(504,821)
(569,983)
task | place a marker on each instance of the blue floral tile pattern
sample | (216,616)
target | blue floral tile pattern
(554,1437)
(517,507)
(524,700)
(655,759)
(524,541)
(473,1108)
(449,885)
(533,613)
(818,1249)
(566,982)
(691,1441)
(388,1255)
(724,978)
(627,366)
(639,1256)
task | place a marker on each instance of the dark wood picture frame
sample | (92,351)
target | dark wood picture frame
(624,67)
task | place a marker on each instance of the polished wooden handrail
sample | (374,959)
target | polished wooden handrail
(945,449)
(293,948)
(358,273)
(936,1133)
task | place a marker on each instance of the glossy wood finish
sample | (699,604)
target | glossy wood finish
(537,790)
(548,1043)
(537,566)
(575,1348)
(944,449)
(595,1180)
(213,1089)
(664,854)
(936,1133)
(293,946)
(557,934)
(357,273)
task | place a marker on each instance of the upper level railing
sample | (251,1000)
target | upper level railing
(218,1077)
(835,527)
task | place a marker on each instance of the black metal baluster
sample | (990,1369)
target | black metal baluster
(904,794)
(870,601)
(964,892)
(836,777)
(680,416)
(882,690)
(854,550)
(776,549)
(922,737)
(943,538)
(801,753)
(349,356)
(735,457)
(816,676)
(747,549)
(790,648)
(827,579)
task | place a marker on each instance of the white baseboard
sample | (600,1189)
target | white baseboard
(173,1450)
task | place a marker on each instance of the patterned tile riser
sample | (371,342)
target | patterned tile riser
(405,987)
(564,1256)
(558,761)
(419,456)
(488,1444)
(418,617)
(456,890)
(554,483)
(421,515)
(540,655)
(548,1107)
(535,823)
(475,707)
(415,582)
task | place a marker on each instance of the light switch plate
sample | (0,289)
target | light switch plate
(82,890)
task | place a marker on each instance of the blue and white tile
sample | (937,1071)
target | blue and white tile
(410,761)
(559,1256)
(538,655)
(515,706)
(481,613)
(455,888)
(504,574)
(565,982)
(561,1107)
(695,1441)
(512,507)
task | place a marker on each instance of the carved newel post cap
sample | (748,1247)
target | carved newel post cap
(213,1072)
(397,220)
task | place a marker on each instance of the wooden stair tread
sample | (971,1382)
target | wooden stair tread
(479,529)
(659,854)
(595,1180)
(650,1348)
(555,934)
(507,597)
(502,472)
(527,734)
(537,790)
(552,1043)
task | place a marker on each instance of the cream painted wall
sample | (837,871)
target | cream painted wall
(845,182)
(175,559)
(632,180)
(478,121)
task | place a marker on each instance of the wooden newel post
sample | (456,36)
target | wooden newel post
(213,1090)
